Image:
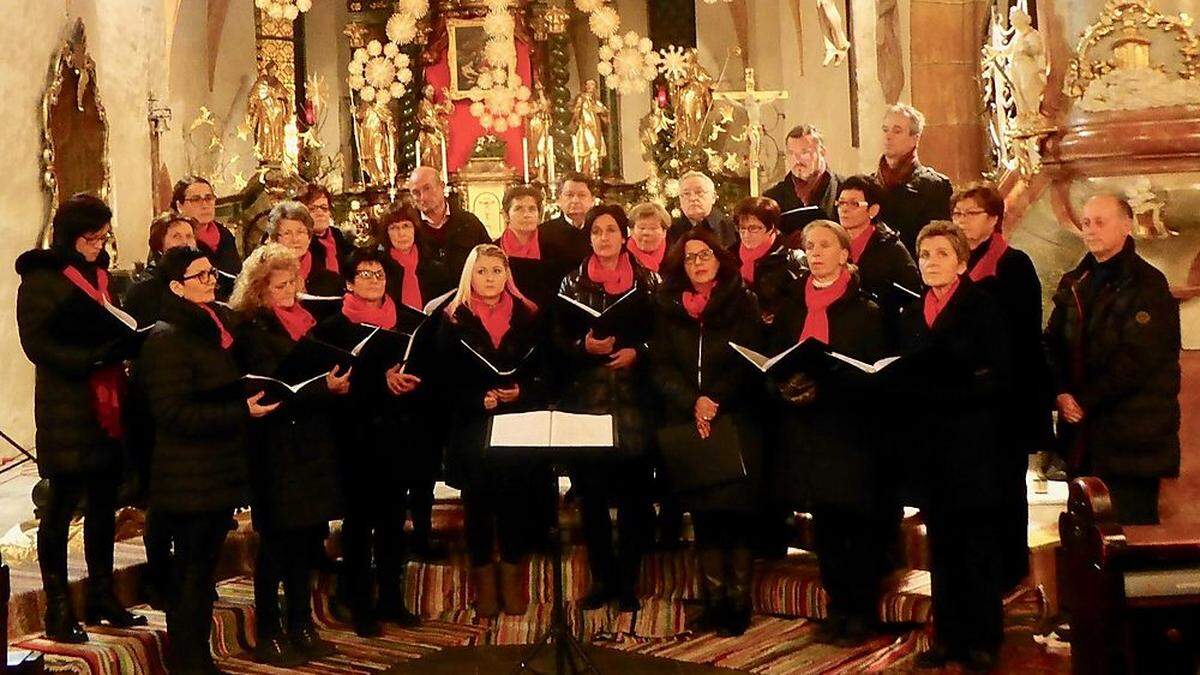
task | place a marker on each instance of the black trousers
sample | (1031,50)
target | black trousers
(1014,518)
(724,530)
(373,531)
(626,485)
(968,611)
(197,538)
(63,495)
(1135,499)
(853,556)
(418,495)
(503,506)
(287,557)
(157,540)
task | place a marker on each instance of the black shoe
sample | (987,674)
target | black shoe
(394,611)
(109,611)
(598,597)
(308,642)
(857,631)
(274,650)
(60,621)
(936,656)
(979,661)
(830,630)
(367,626)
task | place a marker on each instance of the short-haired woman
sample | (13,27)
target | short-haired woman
(290,224)
(953,465)
(768,266)
(649,223)
(491,327)
(703,305)
(194,197)
(293,473)
(167,231)
(79,387)
(329,244)
(538,262)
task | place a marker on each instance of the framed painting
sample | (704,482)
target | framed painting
(466,57)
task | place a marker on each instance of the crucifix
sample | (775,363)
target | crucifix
(752,99)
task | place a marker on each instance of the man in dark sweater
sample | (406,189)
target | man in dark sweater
(809,182)
(914,194)
(576,197)
(449,233)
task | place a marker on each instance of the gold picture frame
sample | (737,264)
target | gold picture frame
(467,40)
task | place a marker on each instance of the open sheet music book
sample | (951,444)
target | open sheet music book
(791,359)
(491,366)
(869,368)
(621,312)
(906,290)
(306,297)
(551,429)
(276,390)
(125,318)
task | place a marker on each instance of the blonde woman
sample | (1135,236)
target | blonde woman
(293,475)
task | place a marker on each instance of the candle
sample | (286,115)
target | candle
(445,164)
(550,162)
(525,156)
(417,153)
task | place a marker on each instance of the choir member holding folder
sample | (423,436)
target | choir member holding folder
(488,345)
(602,330)
(829,461)
(954,463)
(293,473)
(768,267)
(710,437)
(199,473)
(193,196)
(374,447)
(77,346)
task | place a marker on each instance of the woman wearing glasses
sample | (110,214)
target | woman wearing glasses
(702,306)
(1008,273)
(329,244)
(293,474)
(290,224)
(199,475)
(79,383)
(194,197)
(768,267)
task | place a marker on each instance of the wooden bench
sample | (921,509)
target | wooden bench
(1133,592)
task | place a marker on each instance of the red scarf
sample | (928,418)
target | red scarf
(410,289)
(858,245)
(305,265)
(892,178)
(295,320)
(986,266)
(750,256)
(513,247)
(209,235)
(496,320)
(817,300)
(106,383)
(226,336)
(615,281)
(330,245)
(695,302)
(360,311)
(934,306)
(648,259)
(807,189)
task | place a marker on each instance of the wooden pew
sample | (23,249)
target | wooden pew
(1133,591)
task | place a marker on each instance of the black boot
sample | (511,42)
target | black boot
(391,604)
(712,573)
(103,606)
(273,649)
(740,606)
(61,625)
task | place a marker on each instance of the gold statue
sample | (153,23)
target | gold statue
(268,112)
(540,146)
(692,99)
(433,127)
(376,143)
(589,116)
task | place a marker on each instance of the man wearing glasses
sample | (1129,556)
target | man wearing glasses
(885,268)
(809,182)
(697,196)
(914,194)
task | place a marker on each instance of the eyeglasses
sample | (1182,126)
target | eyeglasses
(378,275)
(98,238)
(699,257)
(203,276)
(851,203)
(319,207)
(967,214)
(400,227)
(197,199)
(752,229)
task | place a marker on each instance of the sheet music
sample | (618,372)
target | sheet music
(122,316)
(761,361)
(361,345)
(521,430)
(573,430)
(870,368)
(907,290)
(433,304)
(318,298)
(290,387)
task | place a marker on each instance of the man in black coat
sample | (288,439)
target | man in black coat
(449,233)
(809,182)
(697,196)
(1113,345)
(914,194)
(882,260)
(565,231)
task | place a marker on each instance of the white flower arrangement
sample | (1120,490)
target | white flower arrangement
(284,9)
(417,9)
(401,28)
(380,72)
(628,63)
(604,22)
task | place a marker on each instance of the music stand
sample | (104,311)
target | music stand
(569,656)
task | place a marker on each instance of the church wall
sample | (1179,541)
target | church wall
(633,108)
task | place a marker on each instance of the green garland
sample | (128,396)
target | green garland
(559,95)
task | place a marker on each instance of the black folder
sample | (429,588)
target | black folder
(620,313)
(802,356)
(693,463)
(795,219)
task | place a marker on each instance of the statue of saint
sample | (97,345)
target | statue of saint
(433,126)
(692,99)
(1029,66)
(268,111)
(588,116)
(376,143)
(539,130)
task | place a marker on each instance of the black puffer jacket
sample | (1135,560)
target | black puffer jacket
(593,388)
(1119,358)
(775,276)
(68,337)
(691,358)
(198,402)
(451,244)
(143,300)
(293,469)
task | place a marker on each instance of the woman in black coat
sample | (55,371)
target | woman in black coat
(703,305)
(605,362)
(490,328)
(375,447)
(293,473)
(77,349)
(830,462)
(959,372)
(539,259)
(768,266)
(200,411)
(330,247)
(194,197)
(290,224)
(144,296)
(1012,280)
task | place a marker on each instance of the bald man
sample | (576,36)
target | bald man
(449,233)
(1113,346)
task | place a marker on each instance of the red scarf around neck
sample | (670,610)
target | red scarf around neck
(615,281)
(648,259)
(360,311)
(935,305)
(330,245)
(750,256)
(107,383)
(295,320)
(817,301)
(496,319)
(513,247)
(306,265)
(410,287)
(892,178)
(814,187)
(695,302)
(209,235)
(858,245)
(226,336)
(986,266)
